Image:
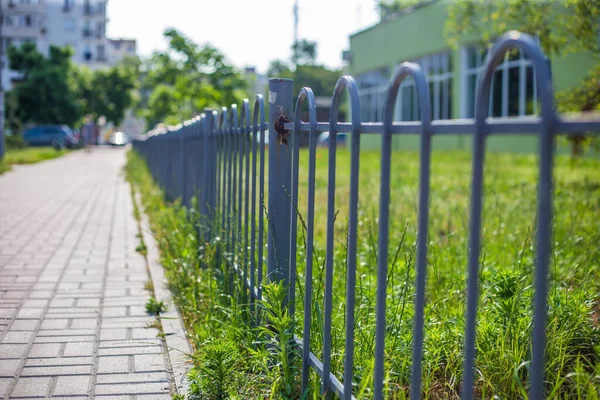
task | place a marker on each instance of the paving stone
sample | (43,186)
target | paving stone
(84,323)
(55,323)
(9,368)
(149,362)
(132,388)
(113,334)
(26,313)
(45,350)
(28,387)
(61,361)
(17,337)
(64,339)
(144,333)
(24,325)
(12,350)
(71,385)
(113,364)
(79,349)
(129,350)
(47,370)
(5,384)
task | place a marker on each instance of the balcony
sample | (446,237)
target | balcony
(22,31)
(91,12)
(14,5)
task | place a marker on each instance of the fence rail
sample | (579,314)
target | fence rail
(219,157)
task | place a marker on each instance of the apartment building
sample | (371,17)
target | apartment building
(80,24)
(117,49)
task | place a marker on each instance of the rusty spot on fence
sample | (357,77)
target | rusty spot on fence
(282,133)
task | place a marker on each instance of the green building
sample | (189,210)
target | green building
(417,35)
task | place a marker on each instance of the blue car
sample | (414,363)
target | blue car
(58,136)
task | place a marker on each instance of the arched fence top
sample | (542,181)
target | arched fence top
(306,95)
(401,72)
(245,115)
(259,112)
(526,43)
(345,82)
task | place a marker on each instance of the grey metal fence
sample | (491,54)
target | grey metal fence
(220,158)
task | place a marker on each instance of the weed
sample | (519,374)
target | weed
(155,307)
(149,286)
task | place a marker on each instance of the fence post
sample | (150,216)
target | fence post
(208,180)
(280,180)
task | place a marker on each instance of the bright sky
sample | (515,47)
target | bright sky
(248,32)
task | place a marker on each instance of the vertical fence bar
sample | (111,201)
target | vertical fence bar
(306,94)
(245,137)
(261,205)
(349,83)
(233,128)
(423,97)
(280,165)
(328,293)
(183,165)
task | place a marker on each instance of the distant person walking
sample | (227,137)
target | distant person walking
(87,131)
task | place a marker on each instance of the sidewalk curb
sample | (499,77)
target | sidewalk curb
(178,347)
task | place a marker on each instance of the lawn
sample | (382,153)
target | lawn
(218,324)
(28,155)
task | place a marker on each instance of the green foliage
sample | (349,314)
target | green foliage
(215,312)
(30,155)
(48,93)
(583,98)
(304,52)
(155,307)
(319,78)
(388,8)
(278,332)
(562,26)
(216,376)
(56,91)
(178,83)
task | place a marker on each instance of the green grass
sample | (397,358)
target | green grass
(507,263)
(29,155)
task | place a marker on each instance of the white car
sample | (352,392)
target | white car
(118,139)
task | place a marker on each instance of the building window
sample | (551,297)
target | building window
(438,69)
(514,91)
(101,56)
(68,4)
(87,54)
(372,87)
(70,24)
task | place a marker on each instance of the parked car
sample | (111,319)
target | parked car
(118,139)
(58,136)
(323,140)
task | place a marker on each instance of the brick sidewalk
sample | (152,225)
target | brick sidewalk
(72,301)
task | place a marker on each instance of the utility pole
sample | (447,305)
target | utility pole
(1,85)
(295,48)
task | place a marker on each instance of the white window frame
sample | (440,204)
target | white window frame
(466,72)
(438,80)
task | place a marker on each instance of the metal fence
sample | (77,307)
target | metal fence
(220,158)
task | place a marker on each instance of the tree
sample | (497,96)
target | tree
(390,7)
(304,52)
(562,27)
(190,77)
(112,93)
(48,92)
